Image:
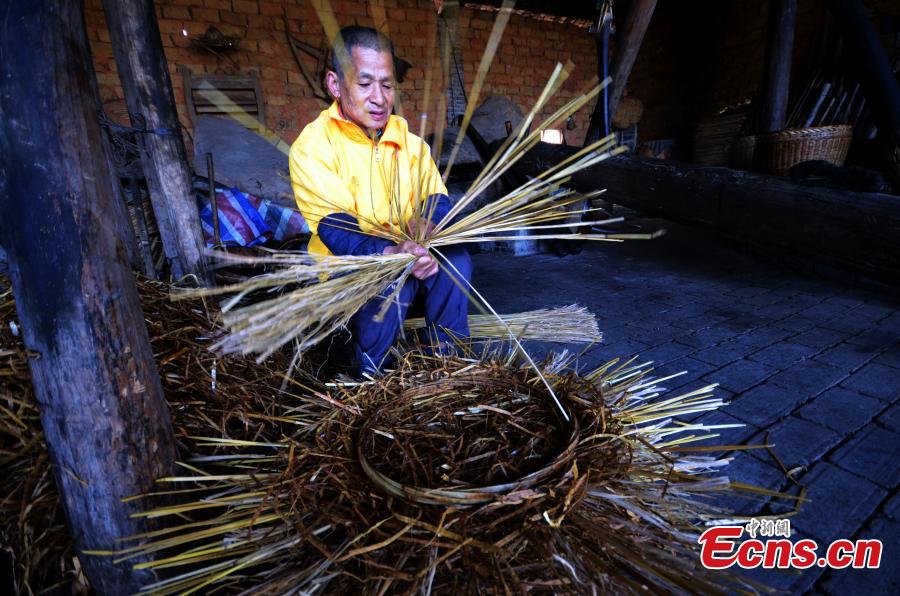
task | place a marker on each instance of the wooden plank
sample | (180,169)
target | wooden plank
(105,421)
(629,42)
(227,109)
(224,82)
(243,96)
(779,56)
(144,74)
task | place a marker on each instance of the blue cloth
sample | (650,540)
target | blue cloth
(247,220)
(446,311)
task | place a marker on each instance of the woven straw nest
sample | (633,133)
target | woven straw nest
(453,475)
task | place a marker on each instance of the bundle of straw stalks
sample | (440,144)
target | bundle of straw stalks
(568,324)
(454,474)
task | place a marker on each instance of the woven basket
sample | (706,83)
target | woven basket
(776,152)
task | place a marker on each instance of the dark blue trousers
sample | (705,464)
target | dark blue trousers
(446,310)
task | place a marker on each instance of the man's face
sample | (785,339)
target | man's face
(366,93)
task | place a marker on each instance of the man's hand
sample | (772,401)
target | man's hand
(420,229)
(424,267)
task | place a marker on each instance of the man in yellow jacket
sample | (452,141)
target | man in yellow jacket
(356,167)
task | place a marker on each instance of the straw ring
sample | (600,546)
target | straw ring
(461,496)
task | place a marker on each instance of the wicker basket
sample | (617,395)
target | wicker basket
(776,152)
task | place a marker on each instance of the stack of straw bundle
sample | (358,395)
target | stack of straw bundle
(454,475)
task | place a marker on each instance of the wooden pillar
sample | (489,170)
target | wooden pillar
(601,116)
(779,55)
(145,79)
(105,421)
(872,68)
(628,44)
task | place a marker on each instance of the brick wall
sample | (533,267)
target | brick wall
(525,58)
(697,56)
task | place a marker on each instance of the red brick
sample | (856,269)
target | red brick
(274,74)
(94,18)
(249,46)
(295,77)
(294,89)
(271,8)
(194,28)
(232,30)
(268,46)
(175,12)
(218,4)
(206,15)
(172,27)
(261,23)
(246,6)
(302,12)
(233,18)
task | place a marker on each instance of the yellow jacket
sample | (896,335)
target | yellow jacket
(336,168)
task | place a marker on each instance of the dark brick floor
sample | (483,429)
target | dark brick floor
(811,365)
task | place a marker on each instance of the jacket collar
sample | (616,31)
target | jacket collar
(391,133)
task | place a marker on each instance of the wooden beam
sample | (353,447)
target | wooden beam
(628,44)
(105,421)
(779,55)
(600,117)
(872,68)
(147,86)
(855,231)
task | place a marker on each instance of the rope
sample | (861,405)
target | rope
(137,119)
(126,141)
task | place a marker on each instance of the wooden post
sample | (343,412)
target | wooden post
(598,126)
(779,55)
(105,421)
(628,44)
(145,79)
(872,68)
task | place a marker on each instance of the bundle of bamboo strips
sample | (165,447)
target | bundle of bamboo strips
(455,475)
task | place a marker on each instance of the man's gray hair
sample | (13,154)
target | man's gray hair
(357,37)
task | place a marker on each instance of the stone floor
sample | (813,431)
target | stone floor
(812,366)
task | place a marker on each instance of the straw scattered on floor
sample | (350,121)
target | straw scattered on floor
(455,475)
(226,396)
